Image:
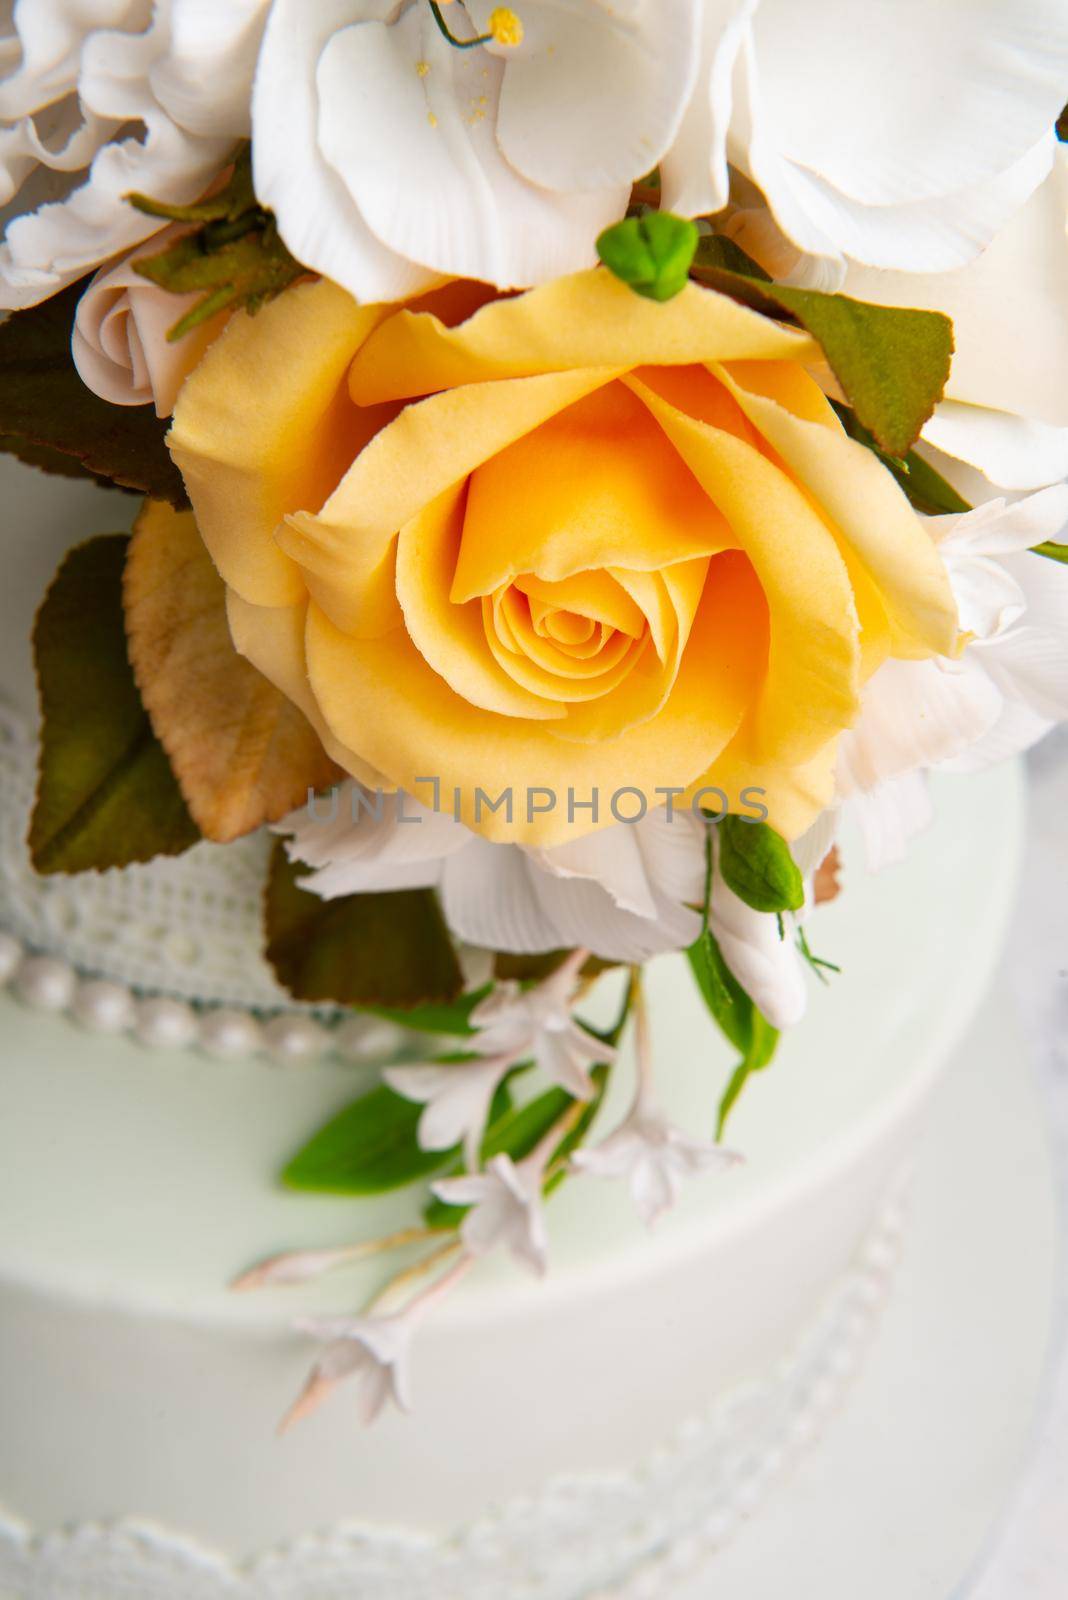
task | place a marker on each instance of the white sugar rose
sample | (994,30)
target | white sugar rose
(119,341)
(94,104)
(899,134)
(390,156)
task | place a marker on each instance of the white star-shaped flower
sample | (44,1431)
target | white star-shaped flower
(512,1025)
(506,1208)
(654,1157)
(375,1350)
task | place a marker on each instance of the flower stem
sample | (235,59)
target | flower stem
(419,1269)
(443,28)
(643,1043)
(298,1266)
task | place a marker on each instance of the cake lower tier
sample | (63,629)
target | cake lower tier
(563,1430)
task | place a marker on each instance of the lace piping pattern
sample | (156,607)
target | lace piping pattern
(187,926)
(620,1536)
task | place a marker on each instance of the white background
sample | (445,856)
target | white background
(1029,1555)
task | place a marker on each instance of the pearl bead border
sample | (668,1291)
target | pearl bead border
(48,984)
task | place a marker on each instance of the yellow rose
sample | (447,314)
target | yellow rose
(569,541)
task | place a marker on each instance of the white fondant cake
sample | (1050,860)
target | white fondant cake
(566,1433)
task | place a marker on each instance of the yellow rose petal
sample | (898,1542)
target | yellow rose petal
(812,685)
(859,496)
(593,594)
(346,552)
(381,694)
(596,486)
(587,320)
(452,639)
(794,795)
(264,426)
(272,639)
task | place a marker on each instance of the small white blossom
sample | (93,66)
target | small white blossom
(646,1149)
(512,1026)
(375,1350)
(457,1096)
(506,1208)
(654,1157)
(537,1024)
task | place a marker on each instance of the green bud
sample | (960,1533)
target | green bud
(651,253)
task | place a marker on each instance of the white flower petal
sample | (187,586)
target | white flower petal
(654,1188)
(764,961)
(934,99)
(1002,528)
(1009,311)
(890,815)
(488,900)
(1030,664)
(318,218)
(215,43)
(811,848)
(988,598)
(1012,451)
(457,1097)
(693,174)
(439,192)
(595,93)
(119,341)
(914,714)
(1016,730)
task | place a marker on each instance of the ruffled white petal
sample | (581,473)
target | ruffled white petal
(1013,452)
(85,80)
(915,714)
(1000,527)
(890,816)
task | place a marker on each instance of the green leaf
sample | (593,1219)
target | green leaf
(927,490)
(716,250)
(362,949)
(1052,550)
(891,362)
(368,1148)
(106,794)
(233,257)
(756,863)
(46,410)
(452,1018)
(738,1018)
(650,253)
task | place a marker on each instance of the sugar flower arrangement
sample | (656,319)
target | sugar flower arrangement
(582,456)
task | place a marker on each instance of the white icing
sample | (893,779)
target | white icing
(629,1532)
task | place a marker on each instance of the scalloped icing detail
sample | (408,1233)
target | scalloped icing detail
(618,1536)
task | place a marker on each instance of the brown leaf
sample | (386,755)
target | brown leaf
(825,884)
(242,753)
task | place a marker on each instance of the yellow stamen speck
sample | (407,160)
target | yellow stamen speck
(432,119)
(505,26)
(422,68)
